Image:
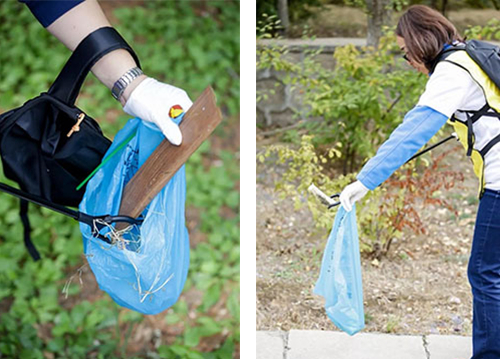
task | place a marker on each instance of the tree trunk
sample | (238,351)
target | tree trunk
(444,3)
(283,14)
(379,14)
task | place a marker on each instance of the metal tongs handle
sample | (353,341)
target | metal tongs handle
(336,195)
(325,199)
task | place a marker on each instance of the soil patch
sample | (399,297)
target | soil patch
(421,287)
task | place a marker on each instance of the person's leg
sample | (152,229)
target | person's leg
(484,277)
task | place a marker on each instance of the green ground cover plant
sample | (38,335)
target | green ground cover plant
(37,320)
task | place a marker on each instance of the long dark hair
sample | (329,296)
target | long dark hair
(425,32)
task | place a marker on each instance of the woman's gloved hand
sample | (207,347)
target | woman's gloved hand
(352,193)
(152,100)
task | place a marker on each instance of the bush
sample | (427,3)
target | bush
(359,102)
(491,31)
(383,213)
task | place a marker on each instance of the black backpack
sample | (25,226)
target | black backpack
(49,146)
(486,55)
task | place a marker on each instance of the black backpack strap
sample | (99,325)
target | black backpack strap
(472,117)
(470,135)
(431,66)
(92,48)
(490,144)
(27,231)
(483,111)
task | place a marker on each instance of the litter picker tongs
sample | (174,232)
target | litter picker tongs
(324,198)
(329,200)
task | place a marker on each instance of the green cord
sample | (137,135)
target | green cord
(123,144)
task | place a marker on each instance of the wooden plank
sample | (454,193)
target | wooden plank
(198,123)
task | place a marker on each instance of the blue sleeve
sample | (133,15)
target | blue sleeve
(47,12)
(418,127)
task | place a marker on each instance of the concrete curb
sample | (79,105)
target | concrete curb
(307,344)
(327,44)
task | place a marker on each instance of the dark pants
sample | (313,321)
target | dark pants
(484,277)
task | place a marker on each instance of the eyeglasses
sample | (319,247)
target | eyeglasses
(405,54)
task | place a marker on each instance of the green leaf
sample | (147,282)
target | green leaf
(191,336)
(172,319)
(211,296)
(208,326)
(233,304)
(63,325)
(56,345)
(181,307)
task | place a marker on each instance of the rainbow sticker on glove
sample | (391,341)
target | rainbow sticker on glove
(175,111)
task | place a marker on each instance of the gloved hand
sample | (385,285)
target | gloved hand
(352,193)
(151,101)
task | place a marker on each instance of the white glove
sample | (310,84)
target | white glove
(151,101)
(352,193)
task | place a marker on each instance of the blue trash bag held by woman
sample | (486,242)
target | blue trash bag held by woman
(340,276)
(146,267)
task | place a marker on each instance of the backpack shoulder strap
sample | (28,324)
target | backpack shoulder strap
(92,48)
(443,55)
(23,213)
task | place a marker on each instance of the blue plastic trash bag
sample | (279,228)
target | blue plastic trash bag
(340,277)
(147,268)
